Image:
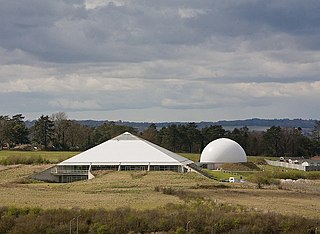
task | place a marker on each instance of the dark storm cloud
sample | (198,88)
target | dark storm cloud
(71,55)
(294,17)
(65,31)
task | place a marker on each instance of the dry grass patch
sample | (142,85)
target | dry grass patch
(110,190)
(285,202)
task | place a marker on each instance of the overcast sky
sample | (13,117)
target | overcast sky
(160,60)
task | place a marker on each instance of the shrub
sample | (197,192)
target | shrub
(261,179)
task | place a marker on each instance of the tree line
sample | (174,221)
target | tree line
(57,132)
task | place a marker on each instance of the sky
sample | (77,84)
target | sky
(155,61)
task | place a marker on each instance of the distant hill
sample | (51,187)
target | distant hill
(253,124)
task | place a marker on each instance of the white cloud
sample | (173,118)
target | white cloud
(190,13)
(172,57)
(65,104)
(92,4)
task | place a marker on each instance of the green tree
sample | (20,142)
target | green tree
(61,125)
(255,143)
(316,131)
(13,130)
(193,137)
(77,136)
(241,136)
(272,141)
(286,142)
(19,133)
(43,131)
(151,133)
(4,129)
(168,137)
(69,134)
(212,133)
(261,179)
(316,137)
(110,130)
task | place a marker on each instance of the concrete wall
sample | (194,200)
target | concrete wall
(46,176)
(214,166)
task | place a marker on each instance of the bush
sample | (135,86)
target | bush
(262,178)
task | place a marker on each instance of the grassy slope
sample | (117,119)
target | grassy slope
(137,190)
(111,190)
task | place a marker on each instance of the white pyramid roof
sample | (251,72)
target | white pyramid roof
(127,149)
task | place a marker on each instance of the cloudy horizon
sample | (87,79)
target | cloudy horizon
(160,61)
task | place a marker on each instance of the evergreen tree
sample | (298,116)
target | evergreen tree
(19,133)
(193,138)
(43,131)
(4,129)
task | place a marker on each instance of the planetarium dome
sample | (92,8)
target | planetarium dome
(223,150)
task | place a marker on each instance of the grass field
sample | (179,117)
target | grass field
(52,156)
(193,157)
(222,175)
(140,190)
(112,190)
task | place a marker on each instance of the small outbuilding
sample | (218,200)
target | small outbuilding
(220,151)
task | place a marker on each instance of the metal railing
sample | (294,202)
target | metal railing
(68,171)
(200,171)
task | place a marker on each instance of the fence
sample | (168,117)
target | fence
(287,165)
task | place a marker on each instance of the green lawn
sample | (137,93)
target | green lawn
(223,175)
(52,156)
(193,157)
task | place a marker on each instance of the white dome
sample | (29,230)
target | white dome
(223,150)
